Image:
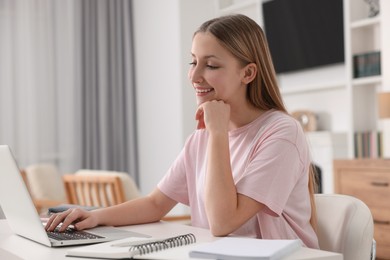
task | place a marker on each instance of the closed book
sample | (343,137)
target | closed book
(374,144)
(233,248)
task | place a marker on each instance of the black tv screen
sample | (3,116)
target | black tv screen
(304,33)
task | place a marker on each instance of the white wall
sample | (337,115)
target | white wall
(158,92)
(192,14)
(165,99)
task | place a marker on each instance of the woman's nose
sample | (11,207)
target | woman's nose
(195,75)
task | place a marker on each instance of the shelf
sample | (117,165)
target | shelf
(365,22)
(367,80)
(312,88)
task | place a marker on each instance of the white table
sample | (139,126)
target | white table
(14,247)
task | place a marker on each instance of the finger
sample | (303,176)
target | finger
(199,113)
(199,116)
(200,124)
(57,219)
(50,226)
(71,218)
(49,221)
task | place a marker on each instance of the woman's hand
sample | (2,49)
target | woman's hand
(81,219)
(214,116)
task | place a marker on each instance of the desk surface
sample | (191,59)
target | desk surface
(13,247)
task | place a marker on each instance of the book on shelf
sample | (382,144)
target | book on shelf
(368,144)
(133,247)
(231,248)
(366,64)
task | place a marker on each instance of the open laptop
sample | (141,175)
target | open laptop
(24,220)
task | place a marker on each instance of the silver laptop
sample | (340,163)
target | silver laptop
(24,220)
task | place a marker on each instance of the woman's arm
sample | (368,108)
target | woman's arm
(225,208)
(142,210)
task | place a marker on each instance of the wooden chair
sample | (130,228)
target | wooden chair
(99,188)
(130,188)
(94,190)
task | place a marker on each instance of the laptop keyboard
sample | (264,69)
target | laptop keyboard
(71,234)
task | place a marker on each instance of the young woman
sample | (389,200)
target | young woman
(246,170)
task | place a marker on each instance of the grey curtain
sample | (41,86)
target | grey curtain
(108,139)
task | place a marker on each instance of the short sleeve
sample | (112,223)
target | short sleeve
(174,183)
(272,173)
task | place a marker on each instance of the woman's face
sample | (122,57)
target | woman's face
(215,73)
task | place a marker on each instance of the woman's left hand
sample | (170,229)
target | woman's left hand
(214,116)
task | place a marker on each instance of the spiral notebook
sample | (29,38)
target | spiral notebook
(131,247)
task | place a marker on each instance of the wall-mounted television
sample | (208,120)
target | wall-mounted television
(304,33)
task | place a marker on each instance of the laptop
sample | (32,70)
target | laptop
(24,220)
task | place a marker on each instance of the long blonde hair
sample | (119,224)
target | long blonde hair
(245,39)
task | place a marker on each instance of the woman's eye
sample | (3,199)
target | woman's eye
(209,66)
(212,67)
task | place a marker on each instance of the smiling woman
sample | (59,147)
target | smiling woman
(246,169)
(231,58)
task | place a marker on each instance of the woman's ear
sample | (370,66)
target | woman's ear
(250,72)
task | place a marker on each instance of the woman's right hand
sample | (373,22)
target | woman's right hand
(80,218)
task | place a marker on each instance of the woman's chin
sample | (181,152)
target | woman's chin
(201,100)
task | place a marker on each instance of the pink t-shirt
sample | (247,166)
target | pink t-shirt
(270,163)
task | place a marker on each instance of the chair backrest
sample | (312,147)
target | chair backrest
(129,186)
(345,225)
(45,185)
(44,181)
(99,190)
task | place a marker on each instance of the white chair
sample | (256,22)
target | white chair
(44,183)
(345,225)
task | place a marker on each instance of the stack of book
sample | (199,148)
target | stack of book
(368,144)
(367,64)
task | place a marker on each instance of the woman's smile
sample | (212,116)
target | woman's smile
(203,91)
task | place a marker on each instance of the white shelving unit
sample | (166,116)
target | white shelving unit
(364,34)
(344,105)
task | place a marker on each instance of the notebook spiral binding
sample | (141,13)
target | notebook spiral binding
(163,244)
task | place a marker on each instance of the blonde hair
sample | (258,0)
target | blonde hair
(245,39)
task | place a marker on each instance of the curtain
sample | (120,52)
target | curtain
(36,80)
(107,86)
(67,83)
